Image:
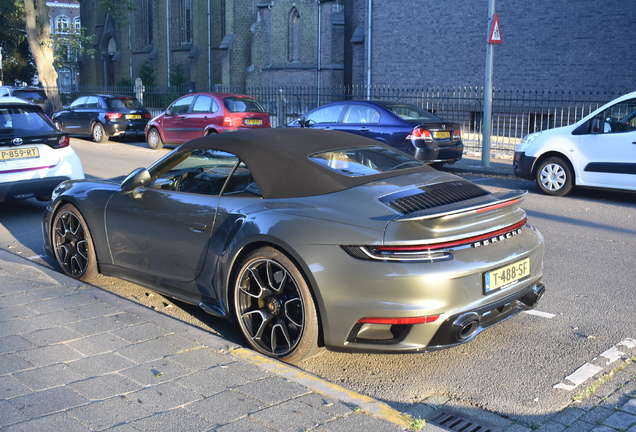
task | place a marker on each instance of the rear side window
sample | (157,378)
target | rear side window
(205,104)
(242,104)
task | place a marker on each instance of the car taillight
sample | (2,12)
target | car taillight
(64,141)
(457,134)
(227,121)
(420,134)
(113,116)
(148,115)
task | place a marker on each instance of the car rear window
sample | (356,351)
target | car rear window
(242,104)
(362,161)
(411,112)
(18,121)
(124,103)
(30,95)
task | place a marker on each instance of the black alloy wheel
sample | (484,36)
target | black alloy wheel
(274,307)
(73,244)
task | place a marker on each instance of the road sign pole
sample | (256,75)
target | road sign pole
(487,129)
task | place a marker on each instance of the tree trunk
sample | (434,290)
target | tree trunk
(39,36)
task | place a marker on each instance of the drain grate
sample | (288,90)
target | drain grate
(459,423)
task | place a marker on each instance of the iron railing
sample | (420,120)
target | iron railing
(515,113)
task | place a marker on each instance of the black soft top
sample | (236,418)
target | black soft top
(278,159)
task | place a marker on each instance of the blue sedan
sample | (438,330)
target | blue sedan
(404,126)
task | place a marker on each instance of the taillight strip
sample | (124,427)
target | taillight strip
(399,321)
(447,245)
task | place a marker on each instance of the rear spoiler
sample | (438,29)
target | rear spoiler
(474,205)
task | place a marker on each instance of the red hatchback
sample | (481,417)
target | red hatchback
(199,114)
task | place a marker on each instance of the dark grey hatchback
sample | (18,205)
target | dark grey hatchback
(102,116)
(404,126)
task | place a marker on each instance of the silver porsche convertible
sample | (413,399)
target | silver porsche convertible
(307,239)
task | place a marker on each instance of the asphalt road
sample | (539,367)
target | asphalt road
(510,369)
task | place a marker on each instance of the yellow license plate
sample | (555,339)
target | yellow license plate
(507,275)
(19,153)
(253,122)
(441,134)
(133,116)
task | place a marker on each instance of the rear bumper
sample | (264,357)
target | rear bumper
(433,153)
(124,129)
(29,188)
(522,165)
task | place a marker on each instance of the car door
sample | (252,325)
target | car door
(607,154)
(87,114)
(326,117)
(201,116)
(175,123)
(70,118)
(361,120)
(162,231)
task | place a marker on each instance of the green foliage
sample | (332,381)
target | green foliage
(118,9)
(70,45)
(177,76)
(147,74)
(17,62)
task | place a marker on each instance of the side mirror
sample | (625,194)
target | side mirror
(596,125)
(136,179)
(303,122)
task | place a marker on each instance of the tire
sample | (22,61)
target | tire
(554,176)
(99,134)
(274,307)
(154,139)
(73,244)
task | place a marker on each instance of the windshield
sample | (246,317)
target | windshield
(362,161)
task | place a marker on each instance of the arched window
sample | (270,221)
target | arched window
(62,24)
(294,36)
(77,24)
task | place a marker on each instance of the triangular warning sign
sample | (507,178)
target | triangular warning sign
(494,36)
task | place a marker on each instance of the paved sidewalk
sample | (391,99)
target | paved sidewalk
(76,358)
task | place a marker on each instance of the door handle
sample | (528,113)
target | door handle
(198,228)
(363,129)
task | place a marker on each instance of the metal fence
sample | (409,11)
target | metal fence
(516,113)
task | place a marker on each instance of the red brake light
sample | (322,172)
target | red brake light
(227,121)
(64,141)
(399,321)
(113,116)
(148,115)
(457,134)
(420,134)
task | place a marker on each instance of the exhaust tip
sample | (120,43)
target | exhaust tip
(533,297)
(466,326)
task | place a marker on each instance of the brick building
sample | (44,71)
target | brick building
(555,45)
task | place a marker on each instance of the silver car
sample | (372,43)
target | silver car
(308,239)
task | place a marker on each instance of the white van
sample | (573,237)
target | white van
(597,151)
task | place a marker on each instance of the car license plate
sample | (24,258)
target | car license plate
(503,276)
(133,116)
(253,122)
(441,134)
(21,153)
